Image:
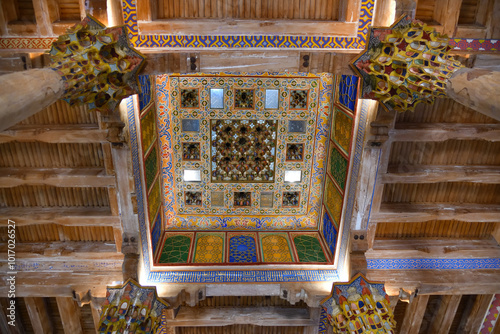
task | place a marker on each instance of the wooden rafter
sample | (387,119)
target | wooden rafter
(441,322)
(39,315)
(414,315)
(478,310)
(55,136)
(70,315)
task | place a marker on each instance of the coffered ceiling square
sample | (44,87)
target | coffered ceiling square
(258,143)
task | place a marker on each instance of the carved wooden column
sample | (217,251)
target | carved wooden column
(90,64)
(26,93)
(408,63)
(477,89)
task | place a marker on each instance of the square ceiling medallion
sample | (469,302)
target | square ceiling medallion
(258,144)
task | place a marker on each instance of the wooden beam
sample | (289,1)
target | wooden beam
(438,282)
(68,216)
(58,248)
(264,27)
(379,130)
(62,283)
(434,174)
(70,315)
(429,249)
(474,319)
(129,221)
(414,315)
(259,316)
(250,61)
(422,132)
(416,212)
(67,256)
(74,262)
(39,315)
(58,177)
(55,136)
(441,322)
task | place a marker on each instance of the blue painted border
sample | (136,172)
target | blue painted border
(405,264)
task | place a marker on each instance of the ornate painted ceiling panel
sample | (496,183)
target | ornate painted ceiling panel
(181,240)
(243,152)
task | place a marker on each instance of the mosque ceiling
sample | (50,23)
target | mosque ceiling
(235,166)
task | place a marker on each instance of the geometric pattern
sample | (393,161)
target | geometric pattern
(333,200)
(309,249)
(249,41)
(189,98)
(342,129)
(175,249)
(191,151)
(193,198)
(243,98)
(275,248)
(242,249)
(323,322)
(491,316)
(209,248)
(347,91)
(146,93)
(154,200)
(243,150)
(151,167)
(406,264)
(298,99)
(294,152)
(329,232)
(303,215)
(338,167)
(148,129)
(156,233)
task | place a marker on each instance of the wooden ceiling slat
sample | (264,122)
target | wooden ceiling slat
(432,229)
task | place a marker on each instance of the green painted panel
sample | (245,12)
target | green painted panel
(175,249)
(309,249)
(338,167)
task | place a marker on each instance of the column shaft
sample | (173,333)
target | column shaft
(23,94)
(478,89)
